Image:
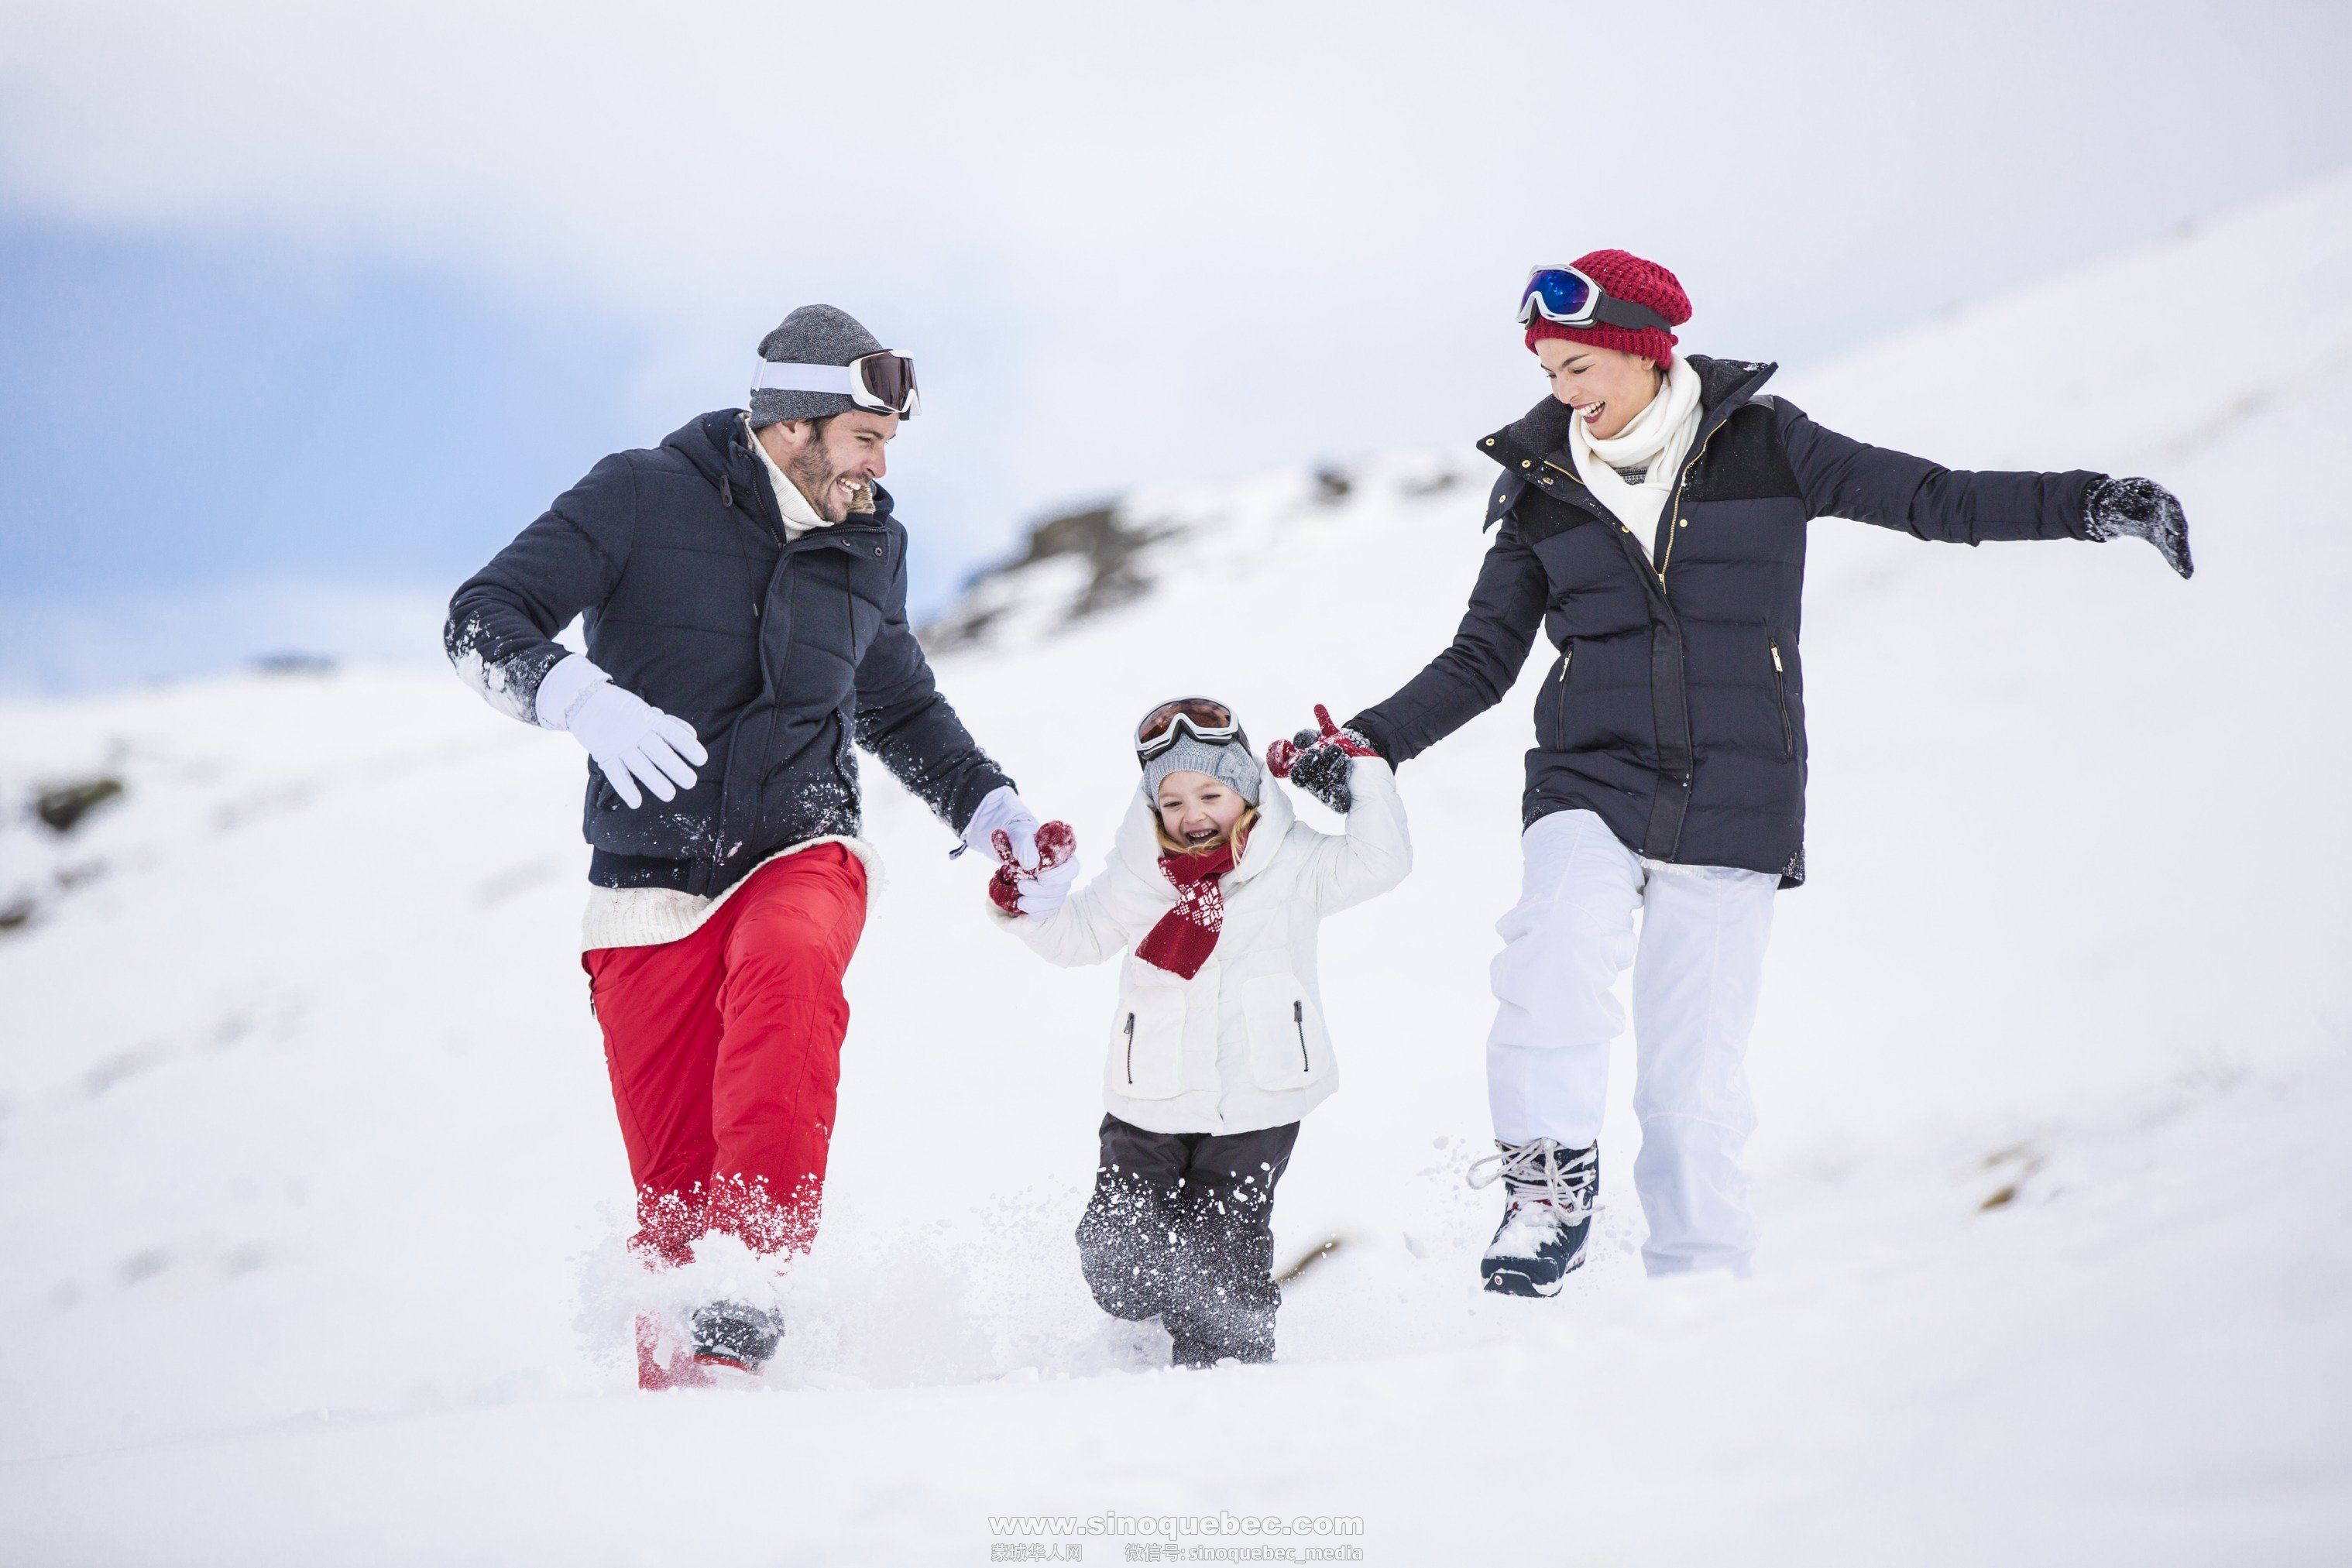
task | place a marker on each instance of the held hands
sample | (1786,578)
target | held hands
(1037,894)
(1037,864)
(1001,813)
(631,741)
(2143,509)
(1317,760)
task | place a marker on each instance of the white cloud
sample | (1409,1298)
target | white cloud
(1139,242)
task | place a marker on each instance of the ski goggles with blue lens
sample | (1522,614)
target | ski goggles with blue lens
(1566,296)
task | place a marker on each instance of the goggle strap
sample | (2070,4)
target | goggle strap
(1617,312)
(784,376)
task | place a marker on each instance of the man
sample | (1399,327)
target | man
(743,589)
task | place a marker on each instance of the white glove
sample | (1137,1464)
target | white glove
(1002,809)
(631,740)
(1044,893)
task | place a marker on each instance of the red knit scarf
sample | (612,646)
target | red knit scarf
(1187,934)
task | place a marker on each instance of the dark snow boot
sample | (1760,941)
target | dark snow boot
(728,1334)
(1549,1215)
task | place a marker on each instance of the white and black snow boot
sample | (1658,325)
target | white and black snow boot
(728,1334)
(1551,1192)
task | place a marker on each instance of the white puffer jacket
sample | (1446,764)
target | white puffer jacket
(1241,1045)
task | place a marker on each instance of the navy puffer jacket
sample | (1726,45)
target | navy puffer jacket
(1676,710)
(778,654)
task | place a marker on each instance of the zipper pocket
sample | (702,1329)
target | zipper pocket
(1560,696)
(1299,1018)
(1780,698)
(1130,1048)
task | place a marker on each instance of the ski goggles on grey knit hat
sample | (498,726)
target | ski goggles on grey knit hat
(881,383)
(1197,734)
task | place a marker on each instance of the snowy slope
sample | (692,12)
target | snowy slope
(309,1189)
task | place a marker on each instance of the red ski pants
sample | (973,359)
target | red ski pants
(725,1052)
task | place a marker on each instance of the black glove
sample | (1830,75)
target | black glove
(2144,509)
(1321,771)
(1317,760)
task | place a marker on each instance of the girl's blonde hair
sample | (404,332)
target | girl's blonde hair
(1170,844)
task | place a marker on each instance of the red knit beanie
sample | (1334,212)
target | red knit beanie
(1624,276)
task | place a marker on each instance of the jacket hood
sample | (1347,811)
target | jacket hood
(719,448)
(1137,846)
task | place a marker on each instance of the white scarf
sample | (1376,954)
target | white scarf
(1658,436)
(799,516)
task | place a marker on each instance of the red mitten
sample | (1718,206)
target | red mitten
(1284,755)
(1346,740)
(1056,840)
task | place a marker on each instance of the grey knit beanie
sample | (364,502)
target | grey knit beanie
(1230,763)
(812,335)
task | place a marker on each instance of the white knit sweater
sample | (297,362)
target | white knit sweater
(649,916)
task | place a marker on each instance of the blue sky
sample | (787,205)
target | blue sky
(302,312)
(202,413)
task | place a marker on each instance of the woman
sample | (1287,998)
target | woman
(1652,519)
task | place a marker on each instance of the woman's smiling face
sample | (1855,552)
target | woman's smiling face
(1607,387)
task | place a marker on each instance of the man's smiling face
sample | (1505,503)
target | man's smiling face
(832,461)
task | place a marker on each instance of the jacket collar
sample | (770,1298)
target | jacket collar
(719,448)
(1725,386)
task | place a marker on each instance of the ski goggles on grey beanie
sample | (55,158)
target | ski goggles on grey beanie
(1179,746)
(821,361)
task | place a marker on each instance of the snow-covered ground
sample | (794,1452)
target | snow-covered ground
(311,1192)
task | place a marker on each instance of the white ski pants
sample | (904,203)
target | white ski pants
(1697,966)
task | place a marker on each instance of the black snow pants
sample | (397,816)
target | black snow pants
(1180,1229)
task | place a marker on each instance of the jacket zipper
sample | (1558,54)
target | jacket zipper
(1130,1048)
(773,674)
(1780,698)
(1675,526)
(1299,1018)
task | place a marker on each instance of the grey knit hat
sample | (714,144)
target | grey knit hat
(1230,763)
(812,335)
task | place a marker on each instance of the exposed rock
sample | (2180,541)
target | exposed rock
(1099,538)
(63,805)
(1077,564)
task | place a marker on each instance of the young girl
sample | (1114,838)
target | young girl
(1217,1046)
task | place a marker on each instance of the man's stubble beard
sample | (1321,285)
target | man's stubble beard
(817,480)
